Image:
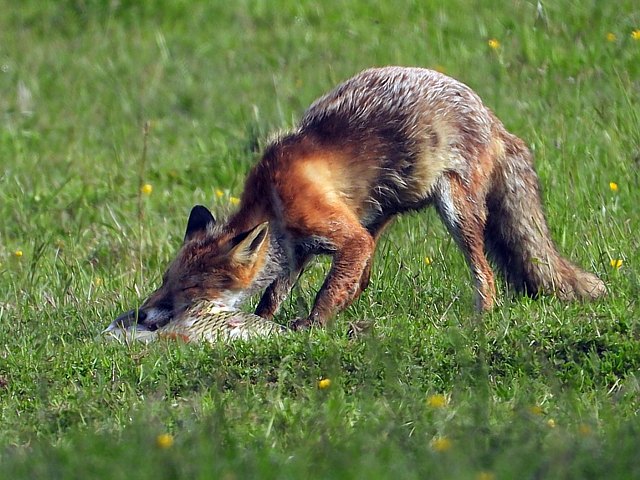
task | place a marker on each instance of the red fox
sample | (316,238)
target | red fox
(387,141)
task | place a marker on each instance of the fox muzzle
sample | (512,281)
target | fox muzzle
(127,319)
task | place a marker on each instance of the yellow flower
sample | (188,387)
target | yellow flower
(616,263)
(164,441)
(551,423)
(440,68)
(536,410)
(234,200)
(436,401)
(219,193)
(635,34)
(146,189)
(18,253)
(441,444)
(484,475)
(611,37)
(324,384)
(494,44)
(428,260)
(584,429)
(97,281)
(613,186)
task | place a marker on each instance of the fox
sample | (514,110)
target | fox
(387,141)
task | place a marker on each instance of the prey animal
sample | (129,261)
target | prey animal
(203,321)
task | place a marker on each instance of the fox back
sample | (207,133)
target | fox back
(386,141)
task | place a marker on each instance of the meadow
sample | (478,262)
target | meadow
(117,116)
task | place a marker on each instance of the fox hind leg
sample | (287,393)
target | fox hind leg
(465,215)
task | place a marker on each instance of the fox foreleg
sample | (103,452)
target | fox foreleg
(347,278)
(280,288)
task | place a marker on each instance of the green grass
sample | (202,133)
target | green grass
(535,389)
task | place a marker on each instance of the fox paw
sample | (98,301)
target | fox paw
(300,324)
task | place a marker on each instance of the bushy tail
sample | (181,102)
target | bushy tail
(517,237)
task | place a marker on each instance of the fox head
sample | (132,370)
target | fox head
(212,264)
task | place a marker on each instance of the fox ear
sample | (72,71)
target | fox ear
(247,245)
(199,219)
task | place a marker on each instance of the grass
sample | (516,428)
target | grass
(535,389)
